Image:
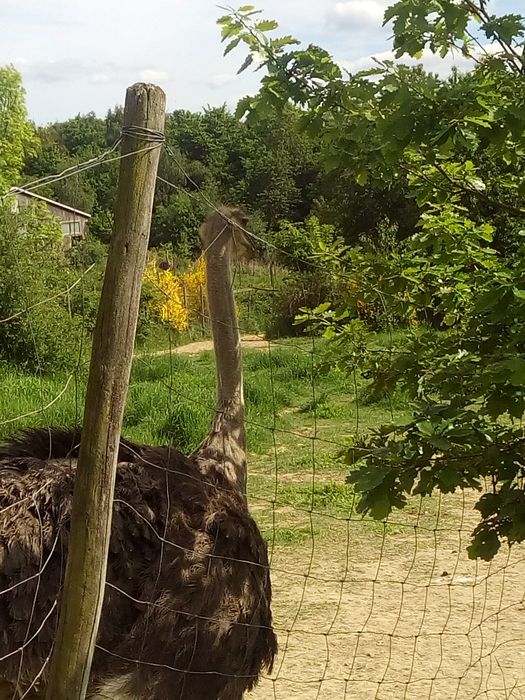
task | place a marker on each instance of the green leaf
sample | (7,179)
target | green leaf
(322,308)
(486,231)
(247,63)
(477,184)
(230,30)
(367,478)
(362,177)
(246,8)
(440,443)
(425,428)
(449,477)
(485,121)
(379,505)
(489,504)
(507,27)
(391,12)
(511,370)
(266,25)
(232,45)
(243,105)
(485,543)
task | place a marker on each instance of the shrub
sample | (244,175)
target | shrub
(88,252)
(296,243)
(166,296)
(299,290)
(171,298)
(84,298)
(176,220)
(38,332)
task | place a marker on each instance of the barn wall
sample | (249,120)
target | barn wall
(72,224)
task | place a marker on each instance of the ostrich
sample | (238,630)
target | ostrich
(187,604)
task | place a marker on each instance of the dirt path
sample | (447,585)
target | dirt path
(399,616)
(247,341)
(397,613)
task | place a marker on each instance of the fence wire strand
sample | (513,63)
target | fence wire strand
(376,611)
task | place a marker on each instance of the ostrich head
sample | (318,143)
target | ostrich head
(223,234)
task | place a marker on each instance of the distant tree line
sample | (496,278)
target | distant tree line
(272,168)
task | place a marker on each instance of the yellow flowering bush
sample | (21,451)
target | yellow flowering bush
(194,286)
(173,298)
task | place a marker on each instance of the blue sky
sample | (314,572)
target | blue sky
(80,55)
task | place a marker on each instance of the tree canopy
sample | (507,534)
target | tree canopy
(17,135)
(458,146)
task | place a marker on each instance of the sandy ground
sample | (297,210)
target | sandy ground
(247,341)
(403,616)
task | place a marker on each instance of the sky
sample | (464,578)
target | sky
(77,56)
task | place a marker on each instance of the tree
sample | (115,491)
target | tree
(17,135)
(65,144)
(465,379)
(37,331)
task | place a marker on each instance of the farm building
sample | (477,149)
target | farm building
(72,221)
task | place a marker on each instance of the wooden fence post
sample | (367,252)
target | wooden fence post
(110,368)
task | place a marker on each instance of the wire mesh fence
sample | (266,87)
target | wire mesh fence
(362,609)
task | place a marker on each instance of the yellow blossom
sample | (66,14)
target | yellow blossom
(175,298)
(194,286)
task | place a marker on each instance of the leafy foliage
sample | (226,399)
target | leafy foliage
(270,166)
(295,245)
(37,331)
(458,146)
(17,135)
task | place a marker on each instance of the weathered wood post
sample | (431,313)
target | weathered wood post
(111,359)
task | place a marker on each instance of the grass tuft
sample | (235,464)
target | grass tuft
(296,418)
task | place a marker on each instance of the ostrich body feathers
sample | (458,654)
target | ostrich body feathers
(187,603)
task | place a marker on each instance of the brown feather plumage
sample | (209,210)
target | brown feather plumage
(186,611)
(188,588)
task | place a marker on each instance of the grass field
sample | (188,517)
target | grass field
(363,609)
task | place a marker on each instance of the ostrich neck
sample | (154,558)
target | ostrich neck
(225,330)
(224,449)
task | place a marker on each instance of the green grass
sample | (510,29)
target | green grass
(335,498)
(297,422)
(291,535)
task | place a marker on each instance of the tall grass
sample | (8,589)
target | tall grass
(296,417)
(171,398)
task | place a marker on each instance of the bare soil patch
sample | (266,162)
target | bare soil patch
(247,341)
(398,614)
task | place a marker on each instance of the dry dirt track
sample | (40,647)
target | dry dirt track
(402,616)
(247,341)
(396,614)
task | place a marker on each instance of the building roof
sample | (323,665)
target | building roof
(19,190)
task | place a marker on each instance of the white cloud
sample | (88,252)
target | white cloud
(152,75)
(365,62)
(98,78)
(220,79)
(357,14)
(431,62)
(54,71)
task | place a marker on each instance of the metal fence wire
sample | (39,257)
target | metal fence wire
(363,609)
